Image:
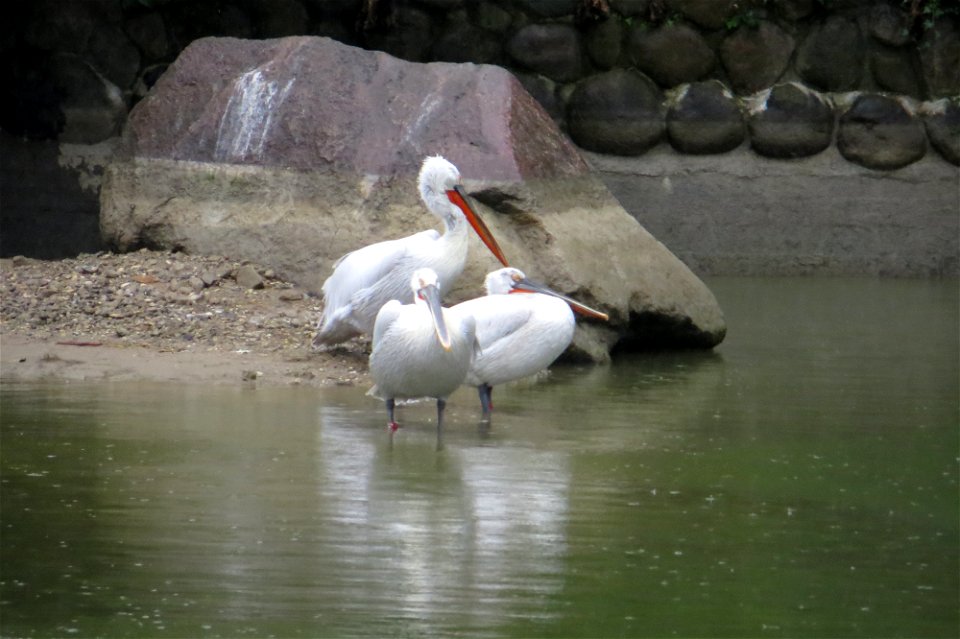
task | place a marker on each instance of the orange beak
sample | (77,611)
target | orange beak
(528,286)
(431,295)
(459,197)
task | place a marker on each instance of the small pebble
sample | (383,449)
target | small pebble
(248,278)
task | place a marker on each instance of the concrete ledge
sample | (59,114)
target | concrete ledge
(740,214)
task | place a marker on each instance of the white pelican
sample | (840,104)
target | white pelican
(420,349)
(519,334)
(366,279)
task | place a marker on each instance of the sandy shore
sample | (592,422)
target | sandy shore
(163,317)
(25,358)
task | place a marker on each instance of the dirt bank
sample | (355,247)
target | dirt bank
(158,316)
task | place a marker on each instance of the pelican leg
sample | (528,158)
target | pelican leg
(441,404)
(486,400)
(392,425)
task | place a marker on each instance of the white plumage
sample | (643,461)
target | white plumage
(522,327)
(420,349)
(366,279)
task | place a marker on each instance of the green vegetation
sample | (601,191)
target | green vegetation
(925,13)
(749,18)
(748,14)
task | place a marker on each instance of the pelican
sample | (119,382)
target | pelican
(518,334)
(420,349)
(365,279)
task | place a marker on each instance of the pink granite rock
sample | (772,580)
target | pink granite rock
(310,103)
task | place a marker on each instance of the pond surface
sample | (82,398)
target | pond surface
(801,481)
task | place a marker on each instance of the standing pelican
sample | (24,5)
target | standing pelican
(365,279)
(519,334)
(420,349)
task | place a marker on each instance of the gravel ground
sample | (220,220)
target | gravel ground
(148,303)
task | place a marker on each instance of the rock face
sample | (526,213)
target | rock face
(550,49)
(672,54)
(942,121)
(704,118)
(895,70)
(710,14)
(879,133)
(756,58)
(312,103)
(831,58)
(292,152)
(889,26)
(790,121)
(939,52)
(617,112)
(603,43)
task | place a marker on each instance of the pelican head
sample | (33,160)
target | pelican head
(426,291)
(437,176)
(512,280)
(501,281)
(439,185)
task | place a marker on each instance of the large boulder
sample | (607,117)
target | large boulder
(831,57)
(794,10)
(896,70)
(466,43)
(295,151)
(790,121)
(879,132)
(551,49)
(407,33)
(710,14)
(603,42)
(942,121)
(889,25)
(704,118)
(149,33)
(755,58)
(671,54)
(620,112)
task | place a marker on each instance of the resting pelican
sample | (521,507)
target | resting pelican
(519,335)
(420,349)
(366,279)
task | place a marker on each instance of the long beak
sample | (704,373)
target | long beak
(459,197)
(431,295)
(525,285)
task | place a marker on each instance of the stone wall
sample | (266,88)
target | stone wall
(621,76)
(876,81)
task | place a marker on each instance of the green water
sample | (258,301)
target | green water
(800,481)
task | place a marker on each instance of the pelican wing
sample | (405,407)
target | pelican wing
(497,318)
(385,317)
(361,269)
(356,275)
